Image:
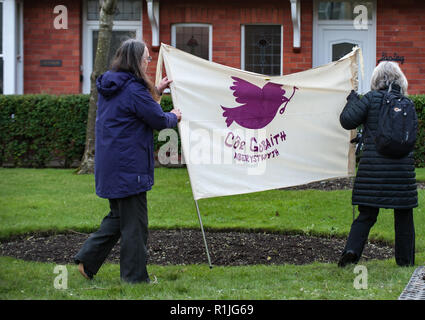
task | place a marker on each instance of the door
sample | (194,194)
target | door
(335,35)
(337,43)
(127,24)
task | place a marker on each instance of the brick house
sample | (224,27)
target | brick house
(270,36)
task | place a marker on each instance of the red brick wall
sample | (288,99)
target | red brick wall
(43,42)
(401,30)
(227,18)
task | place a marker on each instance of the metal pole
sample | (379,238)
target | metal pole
(203,234)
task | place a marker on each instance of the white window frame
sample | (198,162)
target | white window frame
(340,21)
(12,46)
(20,53)
(243,42)
(1,53)
(210,37)
(93,25)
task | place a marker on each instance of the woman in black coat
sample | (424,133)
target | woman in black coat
(380,182)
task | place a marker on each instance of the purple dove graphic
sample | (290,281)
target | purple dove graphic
(259,106)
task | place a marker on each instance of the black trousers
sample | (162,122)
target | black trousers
(128,220)
(404,233)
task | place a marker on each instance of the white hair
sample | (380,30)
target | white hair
(386,74)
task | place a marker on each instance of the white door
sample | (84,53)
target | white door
(127,24)
(335,35)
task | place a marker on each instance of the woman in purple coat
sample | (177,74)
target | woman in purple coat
(124,161)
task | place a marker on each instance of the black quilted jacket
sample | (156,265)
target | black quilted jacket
(380,182)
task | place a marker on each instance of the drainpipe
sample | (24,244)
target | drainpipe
(153,14)
(296,24)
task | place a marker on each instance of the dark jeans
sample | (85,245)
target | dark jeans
(127,219)
(404,234)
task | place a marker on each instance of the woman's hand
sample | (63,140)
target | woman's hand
(165,82)
(178,113)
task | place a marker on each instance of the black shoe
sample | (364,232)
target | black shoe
(84,272)
(347,257)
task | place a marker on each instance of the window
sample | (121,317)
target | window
(127,24)
(195,39)
(342,10)
(117,38)
(127,10)
(341,49)
(262,49)
(1,47)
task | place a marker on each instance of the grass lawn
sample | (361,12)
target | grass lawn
(34,200)
(420,174)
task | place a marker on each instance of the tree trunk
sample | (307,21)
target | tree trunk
(106,20)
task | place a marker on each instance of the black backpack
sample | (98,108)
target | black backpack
(397,126)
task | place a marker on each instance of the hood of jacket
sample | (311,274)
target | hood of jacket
(110,83)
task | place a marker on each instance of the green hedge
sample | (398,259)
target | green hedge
(419,101)
(36,129)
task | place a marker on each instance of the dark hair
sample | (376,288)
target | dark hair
(128,58)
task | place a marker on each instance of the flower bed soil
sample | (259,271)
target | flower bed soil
(185,246)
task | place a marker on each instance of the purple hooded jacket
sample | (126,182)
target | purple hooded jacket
(126,117)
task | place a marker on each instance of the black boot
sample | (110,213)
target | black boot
(347,257)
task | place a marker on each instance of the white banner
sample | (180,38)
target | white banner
(244,132)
